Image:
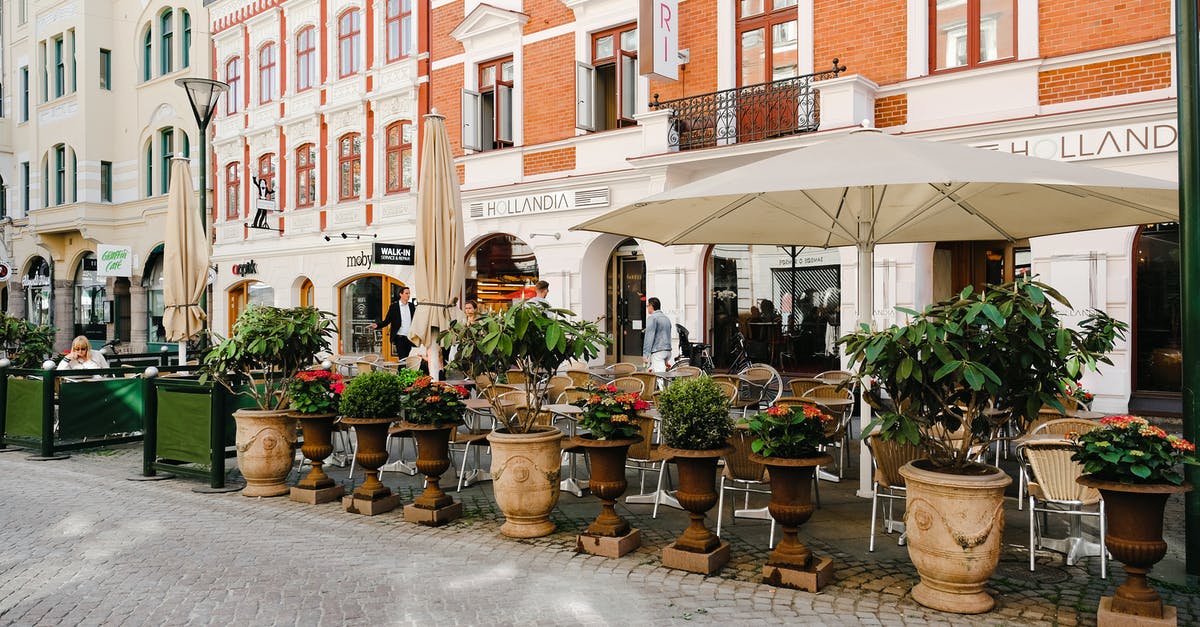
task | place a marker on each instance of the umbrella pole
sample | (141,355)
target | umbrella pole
(866,307)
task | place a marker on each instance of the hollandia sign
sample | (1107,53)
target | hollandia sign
(1094,143)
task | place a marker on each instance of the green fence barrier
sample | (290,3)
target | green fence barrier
(189,423)
(23,410)
(99,407)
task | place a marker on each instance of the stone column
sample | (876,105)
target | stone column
(64,313)
(138,331)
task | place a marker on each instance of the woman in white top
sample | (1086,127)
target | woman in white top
(82,357)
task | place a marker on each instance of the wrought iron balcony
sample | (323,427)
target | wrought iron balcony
(746,114)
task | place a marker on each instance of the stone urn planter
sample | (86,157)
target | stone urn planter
(433,507)
(372,497)
(317,487)
(265,442)
(609,535)
(525,479)
(955,523)
(791,564)
(697,549)
(1134,516)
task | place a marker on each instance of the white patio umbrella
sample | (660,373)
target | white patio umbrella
(868,188)
(439,264)
(185,260)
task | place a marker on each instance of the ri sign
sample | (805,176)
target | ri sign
(658,39)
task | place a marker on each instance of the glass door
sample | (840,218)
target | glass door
(630,308)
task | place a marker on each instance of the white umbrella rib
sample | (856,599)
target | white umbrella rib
(969,208)
(922,209)
(834,216)
(1076,191)
(721,212)
(792,212)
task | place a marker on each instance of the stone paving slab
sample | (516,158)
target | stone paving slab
(84,546)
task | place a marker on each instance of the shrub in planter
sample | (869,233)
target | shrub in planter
(608,414)
(695,415)
(315,392)
(430,402)
(372,395)
(791,432)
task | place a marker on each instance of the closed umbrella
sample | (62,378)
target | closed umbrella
(438,262)
(185,260)
(869,188)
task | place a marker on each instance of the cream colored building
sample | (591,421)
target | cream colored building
(91,115)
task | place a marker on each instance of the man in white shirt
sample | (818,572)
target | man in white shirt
(541,288)
(399,318)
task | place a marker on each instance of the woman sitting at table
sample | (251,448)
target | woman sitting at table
(82,357)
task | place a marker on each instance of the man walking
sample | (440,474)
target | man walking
(399,318)
(656,345)
(541,289)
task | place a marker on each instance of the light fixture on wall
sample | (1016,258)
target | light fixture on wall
(354,235)
(554,235)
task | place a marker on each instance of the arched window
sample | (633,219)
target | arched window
(152,280)
(248,293)
(307,294)
(266,171)
(166,144)
(233,191)
(233,76)
(500,269)
(306,175)
(349,43)
(268,73)
(362,302)
(166,40)
(399,156)
(186,51)
(399,25)
(306,58)
(349,166)
(147,54)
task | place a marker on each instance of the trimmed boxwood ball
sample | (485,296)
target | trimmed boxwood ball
(695,415)
(372,395)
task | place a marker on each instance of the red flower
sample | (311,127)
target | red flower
(337,387)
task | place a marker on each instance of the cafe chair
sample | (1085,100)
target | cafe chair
(747,477)
(1052,489)
(629,384)
(621,369)
(887,456)
(1058,426)
(800,385)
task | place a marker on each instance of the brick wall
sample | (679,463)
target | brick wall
(869,38)
(549,161)
(698,35)
(446,86)
(1110,78)
(445,19)
(891,111)
(1070,26)
(549,90)
(545,14)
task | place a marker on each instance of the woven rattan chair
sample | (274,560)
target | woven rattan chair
(1053,490)
(747,477)
(515,375)
(765,381)
(629,384)
(644,457)
(1057,426)
(691,371)
(843,415)
(888,456)
(555,387)
(836,377)
(649,382)
(484,380)
(621,369)
(728,388)
(572,395)
(580,378)
(800,385)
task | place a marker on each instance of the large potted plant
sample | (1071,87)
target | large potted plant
(314,396)
(609,417)
(695,429)
(269,346)
(788,440)
(370,403)
(432,410)
(526,453)
(954,374)
(1134,466)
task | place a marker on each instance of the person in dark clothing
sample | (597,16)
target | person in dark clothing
(399,318)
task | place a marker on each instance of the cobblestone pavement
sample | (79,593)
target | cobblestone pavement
(84,546)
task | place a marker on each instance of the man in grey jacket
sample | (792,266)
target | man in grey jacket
(656,345)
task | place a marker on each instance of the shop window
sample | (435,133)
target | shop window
(1157,329)
(90,295)
(233,76)
(606,90)
(307,294)
(399,27)
(361,302)
(967,33)
(268,73)
(487,122)
(500,270)
(233,191)
(784,301)
(399,156)
(349,166)
(306,58)
(349,43)
(245,294)
(38,286)
(306,175)
(155,305)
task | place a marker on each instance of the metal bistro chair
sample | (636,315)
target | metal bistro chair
(1053,490)
(580,378)
(1058,426)
(833,392)
(645,457)
(556,386)
(888,456)
(745,476)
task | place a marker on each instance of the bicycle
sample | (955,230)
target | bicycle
(692,353)
(741,358)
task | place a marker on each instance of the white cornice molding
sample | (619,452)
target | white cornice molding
(486,19)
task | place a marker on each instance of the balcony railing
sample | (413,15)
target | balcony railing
(746,114)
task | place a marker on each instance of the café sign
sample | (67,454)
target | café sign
(114,260)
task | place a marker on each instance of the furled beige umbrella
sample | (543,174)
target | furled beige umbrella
(185,260)
(439,246)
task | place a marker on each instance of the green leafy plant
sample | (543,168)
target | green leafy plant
(530,337)
(26,344)
(268,347)
(315,392)
(408,376)
(608,414)
(375,394)
(974,361)
(695,415)
(794,432)
(1128,449)
(429,402)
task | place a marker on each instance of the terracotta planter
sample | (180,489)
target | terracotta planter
(266,441)
(1134,515)
(791,505)
(318,444)
(525,478)
(607,460)
(433,459)
(371,453)
(697,494)
(955,523)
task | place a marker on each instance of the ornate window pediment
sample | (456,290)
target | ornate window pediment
(489,21)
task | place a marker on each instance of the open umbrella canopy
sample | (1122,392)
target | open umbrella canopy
(439,245)
(905,189)
(185,258)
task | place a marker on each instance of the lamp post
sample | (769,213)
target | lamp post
(203,94)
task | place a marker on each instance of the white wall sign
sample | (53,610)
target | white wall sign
(533,204)
(114,260)
(658,39)
(1095,143)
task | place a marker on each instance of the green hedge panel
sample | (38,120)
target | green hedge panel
(23,410)
(94,408)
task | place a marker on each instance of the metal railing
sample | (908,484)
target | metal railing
(746,114)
